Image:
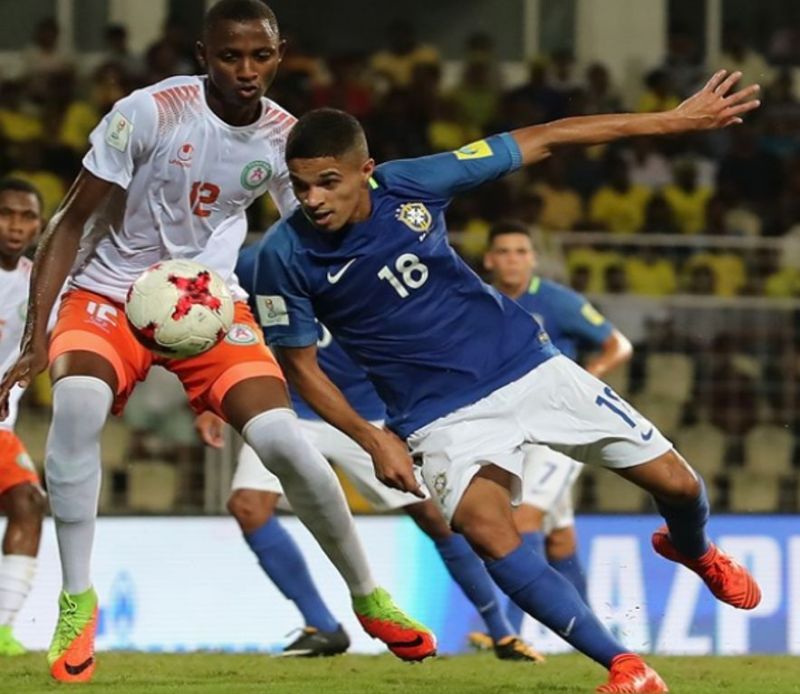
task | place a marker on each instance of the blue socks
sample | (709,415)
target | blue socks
(548,597)
(469,571)
(281,560)
(572,569)
(535,542)
(687,523)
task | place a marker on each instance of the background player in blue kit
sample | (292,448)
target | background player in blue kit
(546,518)
(468,377)
(256,493)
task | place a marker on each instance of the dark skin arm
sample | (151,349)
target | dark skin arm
(390,457)
(616,350)
(54,258)
(713,107)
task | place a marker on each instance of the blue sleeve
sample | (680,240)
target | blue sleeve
(245,268)
(283,305)
(442,176)
(579,319)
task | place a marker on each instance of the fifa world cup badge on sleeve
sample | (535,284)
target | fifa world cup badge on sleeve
(118,132)
(474,150)
(272,310)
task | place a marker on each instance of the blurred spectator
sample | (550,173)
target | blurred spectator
(781,116)
(547,103)
(162,61)
(737,54)
(80,117)
(784,45)
(30,163)
(390,141)
(659,94)
(687,199)
(647,166)
(448,128)
(587,265)
(650,274)
(683,63)
(562,74)
(347,89)
(619,205)
(18,121)
(118,52)
(659,217)
(396,62)
(600,95)
(43,57)
(479,48)
(731,393)
(616,279)
(755,173)
(469,231)
(701,280)
(302,68)
(477,95)
(562,206)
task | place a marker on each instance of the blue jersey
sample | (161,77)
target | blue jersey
(347,376)
(430,334)
(569,319)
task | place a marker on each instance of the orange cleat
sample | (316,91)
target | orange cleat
(383,620)
(629,674)
(71,654)
(728,580)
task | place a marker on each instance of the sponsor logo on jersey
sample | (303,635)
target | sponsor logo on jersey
(118,132)
(474,150)
(591,314)
(415,216)
(333,278)
(241,334)
(184,155)
(255,174)
(272,310)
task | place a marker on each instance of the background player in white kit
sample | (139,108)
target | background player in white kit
(169,174)
(21,496)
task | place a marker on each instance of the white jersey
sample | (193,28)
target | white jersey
(14,287)
(185,178)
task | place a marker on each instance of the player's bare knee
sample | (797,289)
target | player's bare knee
(492,534)
(561,543)
(528,519)
(249,509)
(24,505)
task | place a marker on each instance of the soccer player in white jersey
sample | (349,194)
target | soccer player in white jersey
(21,496)
(170,172)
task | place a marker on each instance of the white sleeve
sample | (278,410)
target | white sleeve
(280,187)
(118,142)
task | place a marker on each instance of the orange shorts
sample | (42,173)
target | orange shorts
(90,322)
(15,463)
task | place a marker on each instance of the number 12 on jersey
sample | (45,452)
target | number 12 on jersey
(412,274)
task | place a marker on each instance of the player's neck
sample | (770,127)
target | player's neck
(237,117)
(9,262)
(363,209)
(513,290)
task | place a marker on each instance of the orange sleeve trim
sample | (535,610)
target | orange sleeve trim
(237,374)
(84,341)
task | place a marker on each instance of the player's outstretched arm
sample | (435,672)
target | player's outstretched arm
(54,258)
(713,107)
(390,457)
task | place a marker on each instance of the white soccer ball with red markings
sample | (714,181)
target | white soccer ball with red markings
(179,308)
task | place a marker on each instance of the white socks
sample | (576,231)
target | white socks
(72,468)
(16,578)
(314,492)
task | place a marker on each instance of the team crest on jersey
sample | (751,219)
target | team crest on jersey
(415,216)
(440,486)
(255,174)
(241,334)
(24,461)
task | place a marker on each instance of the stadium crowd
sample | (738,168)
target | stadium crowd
(688,205)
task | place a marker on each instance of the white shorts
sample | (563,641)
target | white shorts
(340,450)
(558,404)
(547,480)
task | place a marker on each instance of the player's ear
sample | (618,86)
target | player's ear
(200,54)
(488,264)
(281,49)
(368,168)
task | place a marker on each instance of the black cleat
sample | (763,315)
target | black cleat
(313,643)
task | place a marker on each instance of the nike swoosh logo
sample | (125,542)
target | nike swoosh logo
(80,667)
(333,279)
(566,632)
(417,641)
(648,435)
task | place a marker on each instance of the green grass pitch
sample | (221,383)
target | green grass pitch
(212,673)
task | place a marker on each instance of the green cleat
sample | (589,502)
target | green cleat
(71,654)
(382,619)
(8,644)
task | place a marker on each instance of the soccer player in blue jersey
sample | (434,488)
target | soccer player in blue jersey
(546,519)
(256,493)
(468,377)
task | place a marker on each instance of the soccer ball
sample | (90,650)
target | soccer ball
(179,308)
